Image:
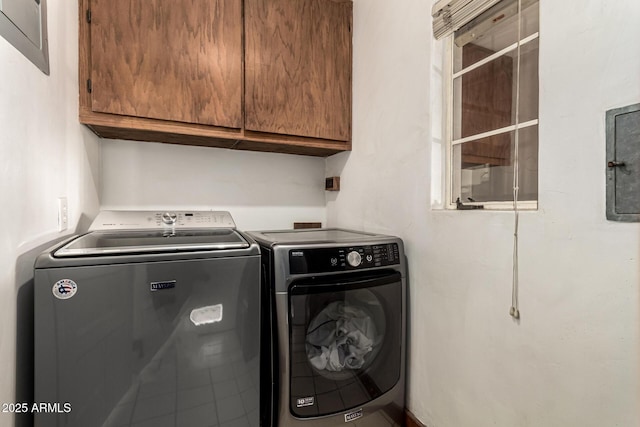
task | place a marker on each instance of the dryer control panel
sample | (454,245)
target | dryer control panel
(329,260)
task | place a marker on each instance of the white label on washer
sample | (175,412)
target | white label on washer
(304,401)
(64,289)
(206,315)
(351,416)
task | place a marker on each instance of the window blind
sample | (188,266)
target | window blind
(449,15)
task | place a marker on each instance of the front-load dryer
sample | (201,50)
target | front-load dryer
(337,321)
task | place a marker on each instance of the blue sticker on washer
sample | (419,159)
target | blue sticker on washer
(64,289)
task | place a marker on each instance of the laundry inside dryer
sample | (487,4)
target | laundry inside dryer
(343,336)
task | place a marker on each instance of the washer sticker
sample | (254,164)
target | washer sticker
(64,289)
(351,416)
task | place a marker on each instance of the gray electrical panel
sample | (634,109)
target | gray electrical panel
(23,23)
(623,164)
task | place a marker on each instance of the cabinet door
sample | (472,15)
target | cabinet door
(298,68)
(175,60)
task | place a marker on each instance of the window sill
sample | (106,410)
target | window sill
(525,205)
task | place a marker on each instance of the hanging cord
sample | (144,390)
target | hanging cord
(514,310)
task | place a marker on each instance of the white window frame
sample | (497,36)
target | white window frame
(448,77)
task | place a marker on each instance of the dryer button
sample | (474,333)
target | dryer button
(354,258)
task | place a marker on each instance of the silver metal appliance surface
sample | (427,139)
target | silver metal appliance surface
(154,220)
(337,321)
(151,318)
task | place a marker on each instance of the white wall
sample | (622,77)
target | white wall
(572,359)
(261,190)
(44,154)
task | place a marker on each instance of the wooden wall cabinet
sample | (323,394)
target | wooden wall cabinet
(263,75)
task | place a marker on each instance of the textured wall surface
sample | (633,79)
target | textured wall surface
(44,154)
(572,359)
(261,190)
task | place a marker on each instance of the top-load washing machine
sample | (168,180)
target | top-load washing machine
(149,319)
(337,321)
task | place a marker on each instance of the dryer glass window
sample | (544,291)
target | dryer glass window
(343,337)
(345,342)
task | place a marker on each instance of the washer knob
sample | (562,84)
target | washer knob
(169,218)
(354,259)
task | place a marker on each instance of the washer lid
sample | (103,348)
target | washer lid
(97,243)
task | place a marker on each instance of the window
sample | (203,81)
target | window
(492,105)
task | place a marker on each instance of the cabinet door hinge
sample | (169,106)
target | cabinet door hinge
(88,16)
(89,86)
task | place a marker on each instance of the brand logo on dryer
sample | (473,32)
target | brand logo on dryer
(64,289)
(352,416)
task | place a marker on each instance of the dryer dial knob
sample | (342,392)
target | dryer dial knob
(169,218)
(354,258)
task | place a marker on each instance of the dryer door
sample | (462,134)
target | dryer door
(346,341)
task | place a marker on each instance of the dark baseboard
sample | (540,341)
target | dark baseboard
(410,420)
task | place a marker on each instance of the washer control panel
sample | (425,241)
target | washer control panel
(327,260)
(145,220)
